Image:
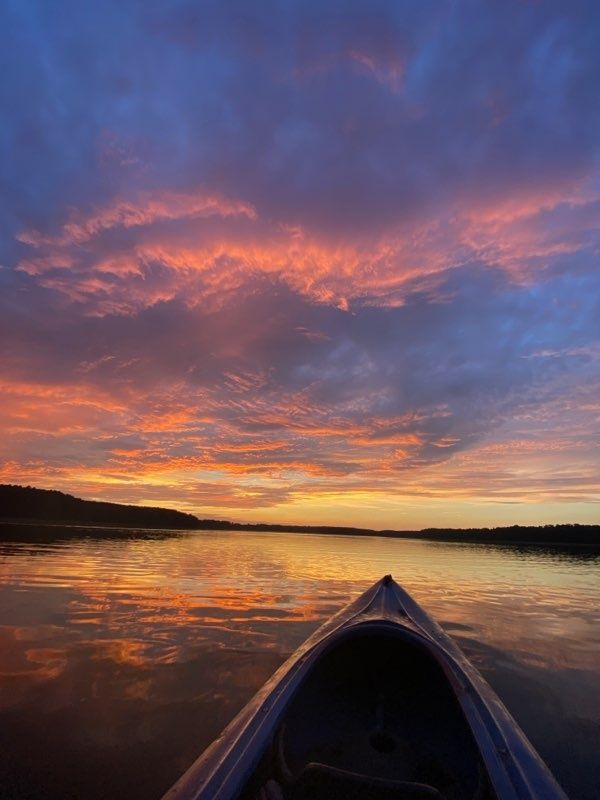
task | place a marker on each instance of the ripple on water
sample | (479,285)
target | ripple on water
(121,659)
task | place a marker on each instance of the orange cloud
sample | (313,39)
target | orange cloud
(221,244)
(148,208)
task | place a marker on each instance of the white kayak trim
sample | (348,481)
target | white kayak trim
(515,769)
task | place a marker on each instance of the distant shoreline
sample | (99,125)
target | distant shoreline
(40,532)
(31,514)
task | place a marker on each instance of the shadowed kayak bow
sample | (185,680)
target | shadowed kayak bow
(378,703)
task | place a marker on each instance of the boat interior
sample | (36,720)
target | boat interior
(375,719)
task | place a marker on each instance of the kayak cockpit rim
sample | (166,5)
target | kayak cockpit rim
(227,765)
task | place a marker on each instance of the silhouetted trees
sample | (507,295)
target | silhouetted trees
(27,503)
(43,505)
(517,534)
(570,533)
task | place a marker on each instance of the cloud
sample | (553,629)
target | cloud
(145,211)
(203,247)
(242,395)
(254,255)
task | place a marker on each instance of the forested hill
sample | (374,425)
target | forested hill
(27,503)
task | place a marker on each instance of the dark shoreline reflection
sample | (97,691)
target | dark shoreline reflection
(120,660)
(559,552)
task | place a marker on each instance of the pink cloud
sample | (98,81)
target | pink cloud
(202,248)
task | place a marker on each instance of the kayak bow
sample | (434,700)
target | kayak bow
(378,703)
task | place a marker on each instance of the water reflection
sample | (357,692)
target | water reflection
(121,659)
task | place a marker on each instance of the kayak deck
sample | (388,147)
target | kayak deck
(375,712)
(378,704)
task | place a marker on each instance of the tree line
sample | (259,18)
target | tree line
(50,505)
(26,503)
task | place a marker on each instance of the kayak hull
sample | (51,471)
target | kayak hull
(385,612)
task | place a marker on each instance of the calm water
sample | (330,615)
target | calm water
(121,660)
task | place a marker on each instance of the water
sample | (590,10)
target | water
(120,660)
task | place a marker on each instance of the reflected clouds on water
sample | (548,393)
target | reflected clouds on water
(121,660)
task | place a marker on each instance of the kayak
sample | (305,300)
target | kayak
(378,704)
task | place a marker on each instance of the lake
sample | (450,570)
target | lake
(122,659)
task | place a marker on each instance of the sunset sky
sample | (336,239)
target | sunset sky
(322,262)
